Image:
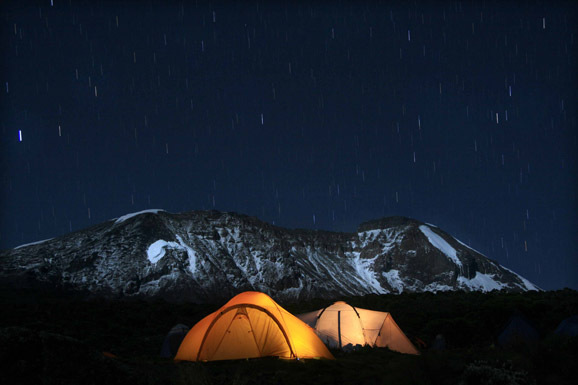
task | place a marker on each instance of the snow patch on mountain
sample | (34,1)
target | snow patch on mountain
(33,243)
(471,248)
(529,285)
(128,216)
(368,236)
(190,253)
(371,233)
(440,244)
(158,249)
(482,282)
(364,271)
(394,280)
(435,287)
(257,261)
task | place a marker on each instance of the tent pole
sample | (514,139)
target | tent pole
(339,327)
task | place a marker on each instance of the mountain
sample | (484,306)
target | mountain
(204,256)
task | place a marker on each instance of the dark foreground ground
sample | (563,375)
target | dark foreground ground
(48,339)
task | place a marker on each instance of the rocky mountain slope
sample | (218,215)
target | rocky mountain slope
(204,256)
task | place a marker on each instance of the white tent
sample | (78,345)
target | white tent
(341,324)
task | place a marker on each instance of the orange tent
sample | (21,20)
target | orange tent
(250,325)
(341,324)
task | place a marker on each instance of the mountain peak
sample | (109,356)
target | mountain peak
(388,222)
(132,215)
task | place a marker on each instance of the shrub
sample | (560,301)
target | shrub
(484,373)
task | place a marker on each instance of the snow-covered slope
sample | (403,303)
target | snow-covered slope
(208,255)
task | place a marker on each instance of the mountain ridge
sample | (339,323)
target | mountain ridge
(205,256)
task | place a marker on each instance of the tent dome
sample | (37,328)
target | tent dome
(519,330)
(250,325)
(568,327)
(341,325)
(173,340)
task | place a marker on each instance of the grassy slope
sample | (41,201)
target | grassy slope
(47,339)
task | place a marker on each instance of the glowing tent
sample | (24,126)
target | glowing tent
(341,325)
(250,325)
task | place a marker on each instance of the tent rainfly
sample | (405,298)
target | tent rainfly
(518,331)
(341,325)
(568,327)
(251,325)
(173,340)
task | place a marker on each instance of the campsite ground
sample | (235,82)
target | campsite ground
(63,340)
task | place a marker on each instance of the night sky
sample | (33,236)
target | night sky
(318,115)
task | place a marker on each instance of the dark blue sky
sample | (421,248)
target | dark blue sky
(315,115)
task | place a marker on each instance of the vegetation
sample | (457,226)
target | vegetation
(59,339)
